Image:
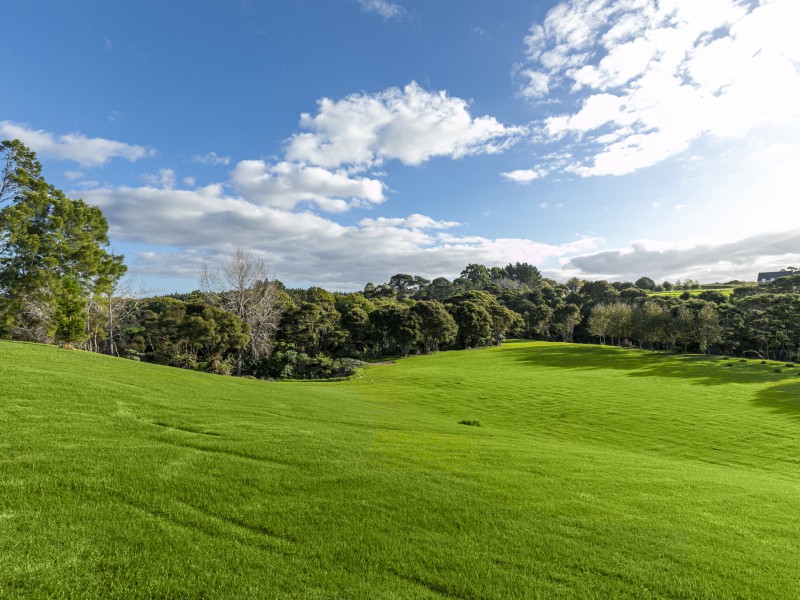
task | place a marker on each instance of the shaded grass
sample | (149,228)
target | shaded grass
(596,473)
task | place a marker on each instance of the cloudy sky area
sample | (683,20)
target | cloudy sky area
(348,140)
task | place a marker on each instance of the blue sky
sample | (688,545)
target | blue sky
(347,140)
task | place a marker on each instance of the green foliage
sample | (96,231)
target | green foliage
(190,335)
(395,328)
(54,254)
(70,312)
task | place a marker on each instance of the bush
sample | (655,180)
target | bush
(470,423)
(777,371)
(132,354)
(291,364)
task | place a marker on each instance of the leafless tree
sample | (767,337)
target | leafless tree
(244,286)
(34,318)
(121,304)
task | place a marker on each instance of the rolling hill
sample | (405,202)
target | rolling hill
(595,473)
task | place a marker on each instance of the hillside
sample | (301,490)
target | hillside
(596,472)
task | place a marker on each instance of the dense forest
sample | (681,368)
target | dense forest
(60,284)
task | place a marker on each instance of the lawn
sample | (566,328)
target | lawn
(725,291)
(595,473)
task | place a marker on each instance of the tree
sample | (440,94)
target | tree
(477,275)
(620,321)
(565,318)
(645,283)
(437,327)
(243,286)
(684,326)
(474,323)
(599,292)
(600,322)
(395,326)
(402,284)
(51,247)
(709,331)
(354,310)
(21,172)
(440,289)
(526,274)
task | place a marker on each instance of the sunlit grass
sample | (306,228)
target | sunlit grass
(725,291)
(595,473)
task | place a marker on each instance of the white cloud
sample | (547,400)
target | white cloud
(384,8)
(88,152)
(537,85)
(741,259)
(284,185)
(415,221)
(211,158)
(73,175)
(663,75)
(302,247)
(411,125)
(524,176)
(164,178)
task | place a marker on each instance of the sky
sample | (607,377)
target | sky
(344,141)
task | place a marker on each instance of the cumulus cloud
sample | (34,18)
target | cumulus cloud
(285,184)
(211,158)
(411,125)
(741,259)
(649,77)
(525,176)
(302,247)
(384,8)
(415,221)
(88,152)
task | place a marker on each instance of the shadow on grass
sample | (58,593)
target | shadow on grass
(701,369)
(782,399)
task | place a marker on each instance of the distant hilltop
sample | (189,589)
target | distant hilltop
(773,275)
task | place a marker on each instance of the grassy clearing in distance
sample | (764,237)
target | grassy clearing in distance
(725,291)
(596,473)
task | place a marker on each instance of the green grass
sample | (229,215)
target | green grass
(595,473)
(725,291)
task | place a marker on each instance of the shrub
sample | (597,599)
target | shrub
(777,371)
(729,365)
(471,423)
(132,354)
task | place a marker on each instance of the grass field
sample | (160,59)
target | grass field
(725,291)
(595,473)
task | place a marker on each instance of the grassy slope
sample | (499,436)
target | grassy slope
(597,473)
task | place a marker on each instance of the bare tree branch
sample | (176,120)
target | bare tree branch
(245,287)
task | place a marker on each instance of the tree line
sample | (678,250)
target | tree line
(60,283)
